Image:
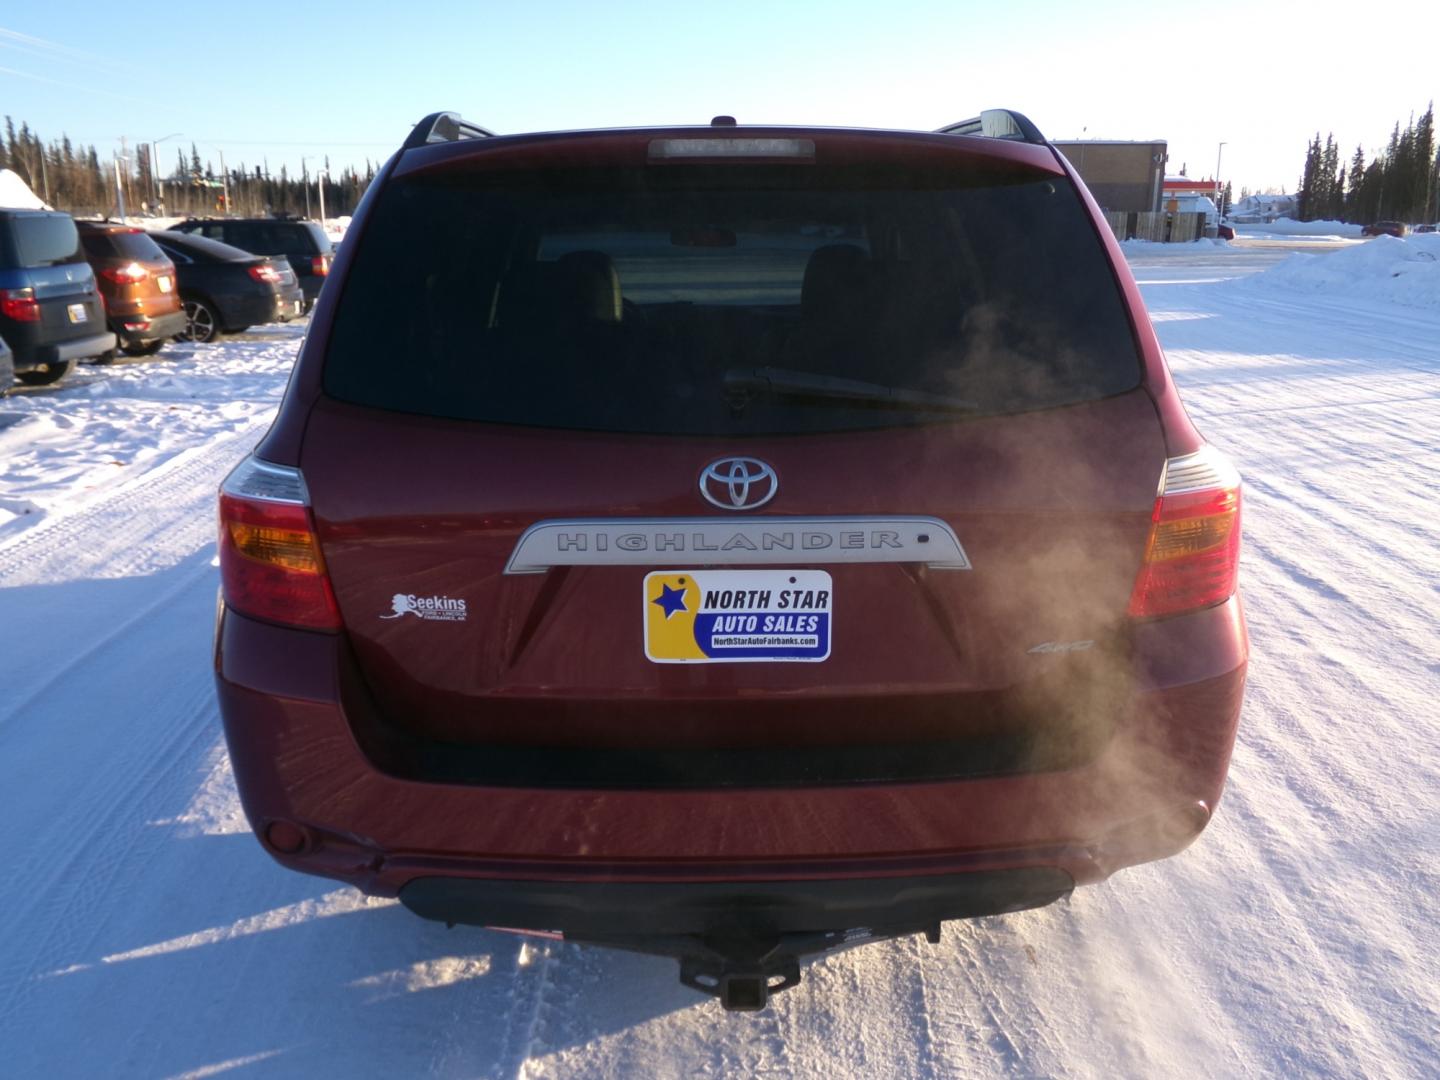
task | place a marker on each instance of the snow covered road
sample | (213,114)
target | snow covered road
(146,934)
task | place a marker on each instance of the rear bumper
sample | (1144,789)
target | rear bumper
(290,304)
(600,910)
(143,329)
(1146,794)
(83,348)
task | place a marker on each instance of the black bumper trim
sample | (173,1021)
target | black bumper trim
(59,352)
(161,328)
(600,911)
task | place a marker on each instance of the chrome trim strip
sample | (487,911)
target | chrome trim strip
(255,478)
(732,541)
(1204,470)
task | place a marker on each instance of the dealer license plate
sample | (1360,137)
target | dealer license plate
(737,616)
(77,313)
(164,281)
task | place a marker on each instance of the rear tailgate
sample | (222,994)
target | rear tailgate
(1051,510)
(606,335)
(70,307)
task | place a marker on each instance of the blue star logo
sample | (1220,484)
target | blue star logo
(670,600)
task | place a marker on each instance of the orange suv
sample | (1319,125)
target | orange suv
(137,282)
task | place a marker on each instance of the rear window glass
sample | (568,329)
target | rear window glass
(121,245)
(319,242)
(136,245)
(45,240)
(190,245)
(728,300)
(97,244)
(270,237)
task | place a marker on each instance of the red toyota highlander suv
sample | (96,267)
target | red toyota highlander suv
(747,542)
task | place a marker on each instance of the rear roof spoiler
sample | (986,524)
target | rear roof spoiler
(442,127)
(997,124)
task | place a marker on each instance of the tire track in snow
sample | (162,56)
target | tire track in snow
(116,535)
(93,841)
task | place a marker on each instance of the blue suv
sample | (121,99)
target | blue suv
(50,312)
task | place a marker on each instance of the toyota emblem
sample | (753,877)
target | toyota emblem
(738,483)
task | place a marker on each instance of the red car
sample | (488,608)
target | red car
(748,542)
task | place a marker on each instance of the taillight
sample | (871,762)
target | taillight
(1192,558)
(266,274)
(20,305)
(125,275)
(270,563)
(320,265)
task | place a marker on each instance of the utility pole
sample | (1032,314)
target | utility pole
(320,179)
(305,183)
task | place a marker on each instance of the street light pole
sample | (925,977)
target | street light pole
(155,163)
(119,190)
(1219,198)
(224,181)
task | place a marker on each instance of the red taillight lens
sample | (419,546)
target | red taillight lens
(1192,559)
(267,274)
(270,562)
(320,265)
(125,275)
(20,305)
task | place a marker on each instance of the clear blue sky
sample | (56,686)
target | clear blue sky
(282,80)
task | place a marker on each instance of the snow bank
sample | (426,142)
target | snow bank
(15,194)
(1289,227)
(1399,271)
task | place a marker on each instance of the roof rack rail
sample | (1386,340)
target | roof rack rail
(443,127)
(997,124)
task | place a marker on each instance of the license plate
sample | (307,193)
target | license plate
(298,305)
(77,313)
(164,282)
(737,616)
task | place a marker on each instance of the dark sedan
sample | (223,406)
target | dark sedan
(226,290)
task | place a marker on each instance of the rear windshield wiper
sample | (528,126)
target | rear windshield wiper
(742,384)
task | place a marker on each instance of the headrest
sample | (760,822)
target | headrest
(580,287)
(588,286)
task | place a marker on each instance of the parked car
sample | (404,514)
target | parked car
(1385,228)
(750,541)
(1225,231)
(137,282)
(1425,228)
(226,290)
(303,243)
(50,311)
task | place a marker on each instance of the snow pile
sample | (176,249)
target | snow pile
(1289,227)
(335,228)
(15,194)
(1387,269)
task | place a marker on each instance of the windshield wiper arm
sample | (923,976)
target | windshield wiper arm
(743,383)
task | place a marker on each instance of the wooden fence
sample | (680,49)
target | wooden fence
(1161,226)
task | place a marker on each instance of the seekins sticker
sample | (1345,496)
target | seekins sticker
(736,616)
